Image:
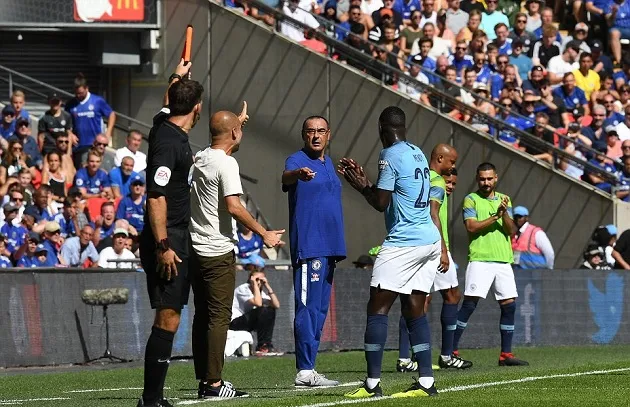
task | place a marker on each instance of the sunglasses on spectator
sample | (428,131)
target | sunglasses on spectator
(625,147)
(461,48)
(23,125)
(491,1)
(521,21)
(62,141)
(17,149)
(101,144)
(17,199)
(506,104)
(502,62)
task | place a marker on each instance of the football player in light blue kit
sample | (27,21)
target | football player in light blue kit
(409,258)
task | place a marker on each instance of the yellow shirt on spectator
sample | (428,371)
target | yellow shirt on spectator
(588,83)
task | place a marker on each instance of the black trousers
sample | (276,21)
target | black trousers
(261,320)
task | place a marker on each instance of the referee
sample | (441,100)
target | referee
(164,245)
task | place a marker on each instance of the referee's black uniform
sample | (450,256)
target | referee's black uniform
(168,164)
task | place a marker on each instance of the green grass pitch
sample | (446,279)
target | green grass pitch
(561,376)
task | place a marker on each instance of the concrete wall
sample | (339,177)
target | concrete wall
(284,83)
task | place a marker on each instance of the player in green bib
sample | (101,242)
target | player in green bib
(443,159)
(488,220)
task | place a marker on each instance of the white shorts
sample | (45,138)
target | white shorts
(481,275)
(444,281)
(405,269)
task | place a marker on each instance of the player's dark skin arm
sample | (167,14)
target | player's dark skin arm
(435,216)
(378,199)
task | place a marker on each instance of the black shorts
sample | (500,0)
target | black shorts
(162,293)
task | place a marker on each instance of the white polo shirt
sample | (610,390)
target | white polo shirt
(297,34)
(241,304)
(214,175)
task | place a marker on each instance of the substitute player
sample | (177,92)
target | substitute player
(488,220)
(317,242)
(409,258)
(164,243)
(443,159)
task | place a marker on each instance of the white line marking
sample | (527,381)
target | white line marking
(476,386)
(9,402)
(102,390)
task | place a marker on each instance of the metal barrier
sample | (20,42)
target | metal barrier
(368,62)
(45,321)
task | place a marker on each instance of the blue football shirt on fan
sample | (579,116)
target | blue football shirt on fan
(93,183)
(15,236)
(404,170)
(122,181)
(5,262)
(87,116)
(134,213)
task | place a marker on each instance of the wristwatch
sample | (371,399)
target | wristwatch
(163,245)
(174,76)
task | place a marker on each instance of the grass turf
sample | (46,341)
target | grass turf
(270,381)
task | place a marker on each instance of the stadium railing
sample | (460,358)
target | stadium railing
(368,62)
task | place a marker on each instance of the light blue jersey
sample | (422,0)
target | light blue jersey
(404,170)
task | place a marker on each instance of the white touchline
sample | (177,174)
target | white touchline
(100,390)
(5,402)
(475,386)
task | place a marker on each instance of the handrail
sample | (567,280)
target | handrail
(368,61)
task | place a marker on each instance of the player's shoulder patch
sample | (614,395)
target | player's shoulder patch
(162,176)
(382,164)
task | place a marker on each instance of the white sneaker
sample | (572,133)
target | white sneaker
(314,380)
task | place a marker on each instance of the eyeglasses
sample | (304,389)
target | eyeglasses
(625,147)
(62,141)
(17,149)
(461,48)
(502,62)
(321,131)
(101,144)
(609,102)
(522,21)
(506,104)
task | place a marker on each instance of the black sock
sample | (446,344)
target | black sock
(156,359)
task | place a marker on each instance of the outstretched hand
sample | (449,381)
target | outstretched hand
(183,69)
(353,173)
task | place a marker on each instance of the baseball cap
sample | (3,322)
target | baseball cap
(417,59)
(574,45)
(521,211)
(364,259)
(10,207)
(41,248)
(597,45)
(610,129)
(21,120)
(53,96)
(34,236)
(593,250)
(480,86)
(386,12)
(7,110)
(52,227)
(138,179)
(612,229)
(517,43)
(121,231)
(581,26)
(32,211)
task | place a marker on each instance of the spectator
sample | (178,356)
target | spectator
(54,176)
(71,219)
(546,47)
(534,19)
(108,156)
(562,64)
(466,91)
(491,18)
(532,248)
(473,5)
(105,223)
(510,8)
(88,112)
(79,251)
(586,78)
(622,77)
(519,32)
(623,128)
(5,262)
(254,309)
(536,80)
(612,117)
(120,178)
(413,31)
(16,197)
(109,255)
(621,252)
(52,242)
(385,16)
(388,42)
(601,62)
(30,258)
(597,10)
(355,41)
(7,126)
(478,43)
(427,12)
(29,145)
(388,76)
(460,60)
(539,150)
(623,189)
(15,234)
(505,114)
(594,259)
(132,149)
(330,19)
(440,70)
(342,30)
(480,121)
(18,100)
(456,18)
(31,219)
(364,262)
(64,148)
(622,98)
(605,165)
(447,86)
(625,148)
(503,43)
(405,8)
(132,206)
(119,224)
(613,143)
(605,237)
(55,122)
(618,18)
(481,68)
(92,181)
(410,88)
(291,9)
(573,97)
(249,247)
(546,17)
(474,21)
(571,145)
(41,202)
(595,131)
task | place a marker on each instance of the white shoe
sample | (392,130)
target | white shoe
(314,380)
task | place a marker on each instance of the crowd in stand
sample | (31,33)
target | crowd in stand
(568,88)
(67,198)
